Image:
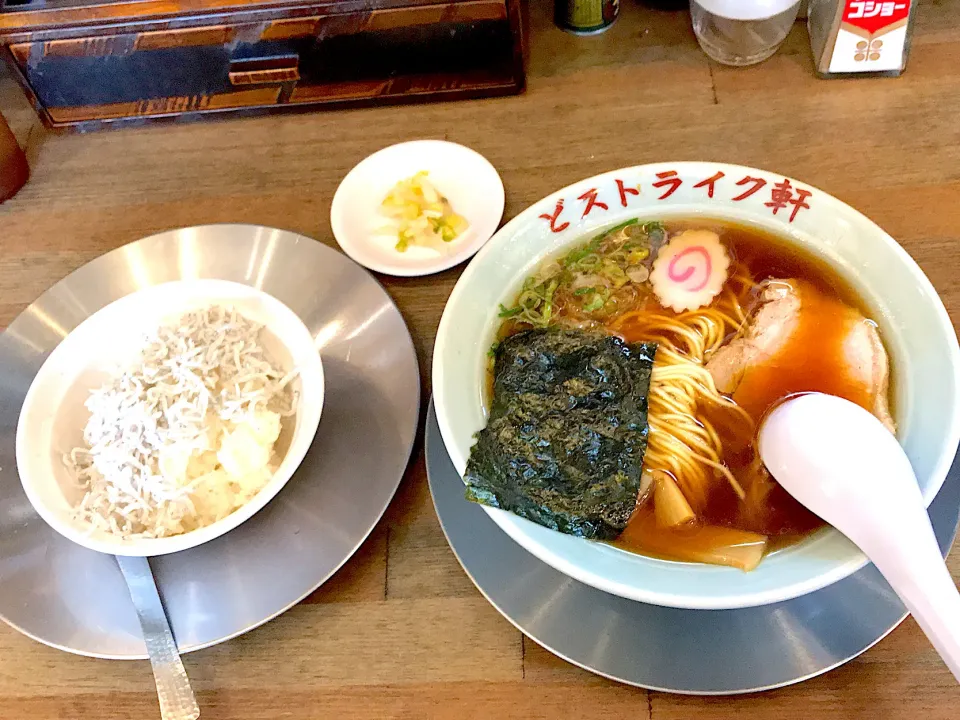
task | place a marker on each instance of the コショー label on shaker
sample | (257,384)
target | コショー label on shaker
(872,36)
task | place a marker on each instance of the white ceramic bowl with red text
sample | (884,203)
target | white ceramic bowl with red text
(918,334)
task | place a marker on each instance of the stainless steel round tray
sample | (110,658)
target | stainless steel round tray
(72,598)
(705,652)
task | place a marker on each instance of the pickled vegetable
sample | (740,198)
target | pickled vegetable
(420,215)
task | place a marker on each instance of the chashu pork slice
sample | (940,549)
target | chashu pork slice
(771,325)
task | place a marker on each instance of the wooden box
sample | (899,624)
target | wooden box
(86,64)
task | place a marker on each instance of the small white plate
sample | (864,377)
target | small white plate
(464,176)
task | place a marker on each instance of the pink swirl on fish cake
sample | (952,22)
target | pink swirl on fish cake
(681,275)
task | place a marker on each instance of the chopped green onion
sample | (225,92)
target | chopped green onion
(589,262)
(606,261)
(595,303)
(575,256)
(614,273)
(548,301)
(529,300)
(617,228)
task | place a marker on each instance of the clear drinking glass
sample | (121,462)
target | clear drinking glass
(739,32)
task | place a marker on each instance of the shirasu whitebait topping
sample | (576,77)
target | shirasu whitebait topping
(186,435)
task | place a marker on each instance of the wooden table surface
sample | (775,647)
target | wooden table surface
(401,632)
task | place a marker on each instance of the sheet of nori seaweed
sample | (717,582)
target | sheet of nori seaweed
(567,431)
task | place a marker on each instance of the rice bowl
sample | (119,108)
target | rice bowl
(55,414)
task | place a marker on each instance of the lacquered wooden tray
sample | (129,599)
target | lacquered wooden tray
(84,64)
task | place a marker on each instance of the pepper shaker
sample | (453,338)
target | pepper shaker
(860,37)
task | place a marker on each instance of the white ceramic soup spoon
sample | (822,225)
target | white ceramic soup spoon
(840,462)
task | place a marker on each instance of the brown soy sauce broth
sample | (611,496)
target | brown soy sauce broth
(815,349)
(811,360)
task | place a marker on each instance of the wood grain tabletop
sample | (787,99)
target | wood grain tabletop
(400,632)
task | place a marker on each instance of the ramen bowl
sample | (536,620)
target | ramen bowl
(54,414)
(918,335)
